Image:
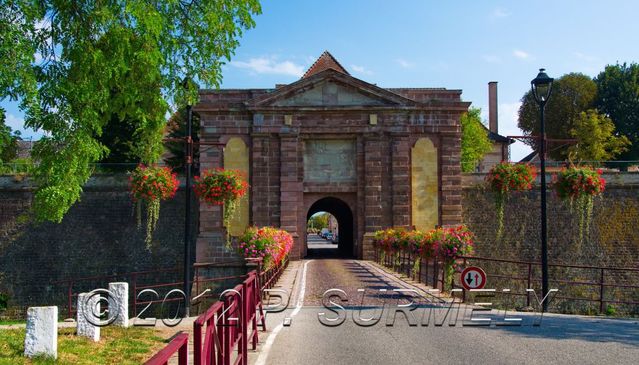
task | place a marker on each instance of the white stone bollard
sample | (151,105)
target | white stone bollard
(88,308)
(120,293)
(42,332)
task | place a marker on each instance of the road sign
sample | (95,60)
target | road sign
(473,277)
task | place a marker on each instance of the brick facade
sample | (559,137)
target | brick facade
(330,105)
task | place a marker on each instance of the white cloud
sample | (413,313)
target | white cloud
(404,64)
(500,13)
(14,122)
(17,124)
(263,65)
(520,54)
(361,70)
(491,58)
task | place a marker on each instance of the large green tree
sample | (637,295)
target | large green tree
(116,137)
(475,143)
(63,59)
(618,98)
(597,140)
(319,221)
(572,94)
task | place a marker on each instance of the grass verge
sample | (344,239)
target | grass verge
(117,345)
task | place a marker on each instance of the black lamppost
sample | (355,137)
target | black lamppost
(188,163)
(541,89)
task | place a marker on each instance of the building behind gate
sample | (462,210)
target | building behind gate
(372,157)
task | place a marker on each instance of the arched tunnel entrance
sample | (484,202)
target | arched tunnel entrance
(345,222)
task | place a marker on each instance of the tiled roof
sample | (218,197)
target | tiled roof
(325,61)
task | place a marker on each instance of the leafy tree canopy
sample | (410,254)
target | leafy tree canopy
(572,94)
(64,59)
(618,98)
(8,140)
(319,221)
(597,140)
(475,143)
(116,137)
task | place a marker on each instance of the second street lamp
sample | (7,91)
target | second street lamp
(188,165)
(541,89)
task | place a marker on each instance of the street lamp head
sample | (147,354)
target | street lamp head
(541,87)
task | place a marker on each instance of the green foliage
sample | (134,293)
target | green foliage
(475,143)
(97,59)
(597,139)
(8,140)
(18,166)
(572,94)
(618,98)
(177,129)
(132,345)
(116,137)
(4,301)
(319,221)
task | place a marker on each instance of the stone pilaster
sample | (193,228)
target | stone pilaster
(451,188)
(400,152)
(373,188)
(291,190)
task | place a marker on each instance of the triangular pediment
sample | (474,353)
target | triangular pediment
(330,88)
(324,62)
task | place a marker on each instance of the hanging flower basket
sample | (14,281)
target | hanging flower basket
(579,186)
(504,178)
(270,244)
(222,187)
(152,184)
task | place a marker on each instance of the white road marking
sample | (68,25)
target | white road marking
(261,360)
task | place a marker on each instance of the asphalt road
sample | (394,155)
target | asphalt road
(558,340)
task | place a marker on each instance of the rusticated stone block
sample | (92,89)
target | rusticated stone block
(119,304)
(41,336)
(86,318)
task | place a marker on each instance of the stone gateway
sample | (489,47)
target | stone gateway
(372,157)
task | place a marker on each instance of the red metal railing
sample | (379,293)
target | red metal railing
(229,324)
(598,287)
(178,345)
(138,282)
(213,352)
(269,277)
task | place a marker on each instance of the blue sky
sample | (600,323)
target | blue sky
(452,44)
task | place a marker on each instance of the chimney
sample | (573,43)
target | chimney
(492,107)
